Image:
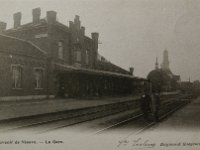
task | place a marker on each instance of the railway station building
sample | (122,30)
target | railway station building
(45,59)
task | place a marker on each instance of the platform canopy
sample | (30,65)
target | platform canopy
(68,68)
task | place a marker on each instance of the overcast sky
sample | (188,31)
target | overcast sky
(132,32)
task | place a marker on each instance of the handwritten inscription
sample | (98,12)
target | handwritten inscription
(146,143)
(139,142)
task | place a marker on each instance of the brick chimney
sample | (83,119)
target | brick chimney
(2,26)
(95,37)
(36,12)
(51,17)
(83,30)
(131,69)
(17,19)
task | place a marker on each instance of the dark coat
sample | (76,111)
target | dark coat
(145,103)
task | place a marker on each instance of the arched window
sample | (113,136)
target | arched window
(60,50)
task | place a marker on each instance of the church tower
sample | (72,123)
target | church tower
(165,64)
(156,64)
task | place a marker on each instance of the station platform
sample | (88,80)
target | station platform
(25,108)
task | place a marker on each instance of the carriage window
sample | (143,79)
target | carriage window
(17,77)
(38,78)
(60,50)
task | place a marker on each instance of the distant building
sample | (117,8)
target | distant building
(186,86)
(196,87)
(45,58)
(190,87)
(162,78)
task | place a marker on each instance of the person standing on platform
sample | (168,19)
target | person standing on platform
(155,105)
(145,102)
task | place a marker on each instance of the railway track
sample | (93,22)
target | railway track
(147,126)
(72,116)
(54,123)
(62,122)
(167,105)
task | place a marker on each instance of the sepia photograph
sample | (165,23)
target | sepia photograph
(99,74)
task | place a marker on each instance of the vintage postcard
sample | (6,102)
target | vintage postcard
(99,74)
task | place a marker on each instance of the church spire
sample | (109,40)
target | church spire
(165,64)
(156,64)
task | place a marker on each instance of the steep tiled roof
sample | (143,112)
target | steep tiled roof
(18,40)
